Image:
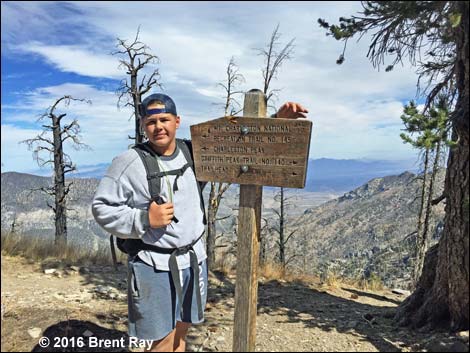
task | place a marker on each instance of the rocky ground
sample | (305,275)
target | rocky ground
(71,305)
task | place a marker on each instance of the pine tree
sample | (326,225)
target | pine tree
(433,130)
(433,35)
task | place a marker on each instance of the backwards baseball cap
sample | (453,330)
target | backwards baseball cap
(166,101)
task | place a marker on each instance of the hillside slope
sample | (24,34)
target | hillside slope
(78,302)
(368,230)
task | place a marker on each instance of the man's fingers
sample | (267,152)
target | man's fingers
(291,107)
(168,210)
(296,107)
(301,109)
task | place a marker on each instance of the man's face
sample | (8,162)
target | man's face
(161,128)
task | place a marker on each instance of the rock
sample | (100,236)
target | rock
(49,271)
(102,289)
(401,291)
(463,336)
(352,324)
(75,268)
(84,270)
(458,346)
(35,332)
(437,345)
(87,333)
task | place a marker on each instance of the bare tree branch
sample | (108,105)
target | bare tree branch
(138,58)
(273,61)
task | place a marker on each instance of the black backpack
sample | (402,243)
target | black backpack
(154,175)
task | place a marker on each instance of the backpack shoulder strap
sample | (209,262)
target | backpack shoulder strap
(186,147)
(147,155)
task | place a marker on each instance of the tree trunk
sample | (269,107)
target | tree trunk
(139,136)
(211,231)
(442,294)
(59,186)
(262,249)
(282,255)
(428,213)
(420,248)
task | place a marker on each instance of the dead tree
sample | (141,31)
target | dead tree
(273,59)
(54,147)
(231,107)
(14,224)
(281,229)
(136,84)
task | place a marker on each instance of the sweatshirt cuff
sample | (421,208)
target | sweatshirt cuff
(142,223)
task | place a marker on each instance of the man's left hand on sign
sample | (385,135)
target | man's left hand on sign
(291,110)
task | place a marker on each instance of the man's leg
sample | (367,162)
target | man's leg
(174,342)
(164,345)
(180,336)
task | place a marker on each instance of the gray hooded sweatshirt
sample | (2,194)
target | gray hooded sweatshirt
(122,199)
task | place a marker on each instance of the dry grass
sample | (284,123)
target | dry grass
(373,283)
(37,249)
(272,271)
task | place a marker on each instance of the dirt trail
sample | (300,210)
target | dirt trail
(77,303)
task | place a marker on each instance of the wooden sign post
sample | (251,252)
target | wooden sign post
(251,152)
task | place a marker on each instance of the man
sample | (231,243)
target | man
(167,272)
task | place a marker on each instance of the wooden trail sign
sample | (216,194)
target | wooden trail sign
(251,152)
(248,150)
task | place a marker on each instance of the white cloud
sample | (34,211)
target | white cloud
(76,59)
(355,108)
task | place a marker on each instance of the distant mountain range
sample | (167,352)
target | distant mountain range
(342,175)
(33,216)
(366,230)
(324,174)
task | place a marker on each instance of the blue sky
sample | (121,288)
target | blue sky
(50,49)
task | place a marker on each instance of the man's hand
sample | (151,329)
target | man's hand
(291,110)
(160,215)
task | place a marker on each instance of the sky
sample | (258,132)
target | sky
(52,49)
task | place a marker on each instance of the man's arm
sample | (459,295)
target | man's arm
(111,212)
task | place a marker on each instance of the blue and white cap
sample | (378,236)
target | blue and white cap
(170,106)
